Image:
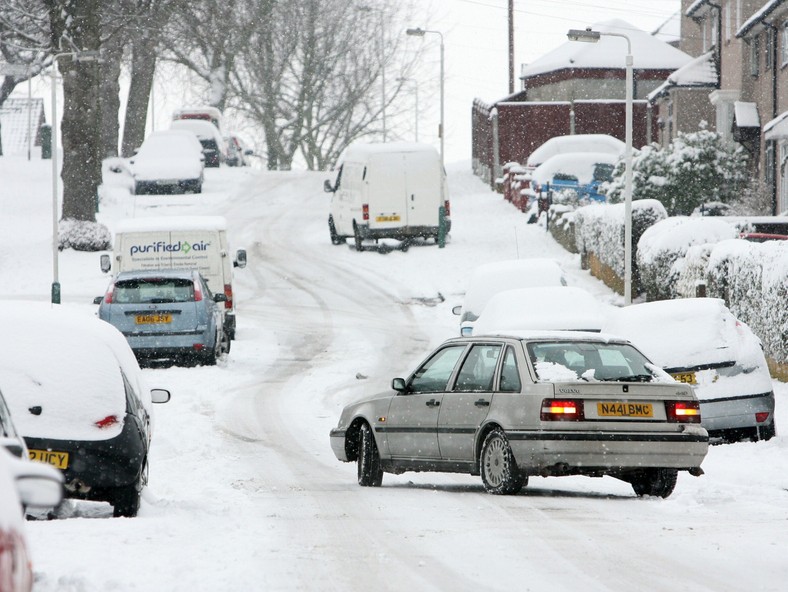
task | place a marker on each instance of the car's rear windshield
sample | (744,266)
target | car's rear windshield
(558,361)
(153,290)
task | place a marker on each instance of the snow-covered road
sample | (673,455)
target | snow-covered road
(245,493)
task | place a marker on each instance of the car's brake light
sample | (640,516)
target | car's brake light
(228,292)
(365,212)
(197,291)
(761,416)
(447,209)
(683,411)
(562,410)
(107,422)
(108,295)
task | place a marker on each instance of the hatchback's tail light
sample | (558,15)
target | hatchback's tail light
(365,212)
(107,422)
(683,411)
(228,292)
(197,291)
(562,410)
(108,295)
(761,416)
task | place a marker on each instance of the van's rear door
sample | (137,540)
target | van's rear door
(423,190)
(387,190)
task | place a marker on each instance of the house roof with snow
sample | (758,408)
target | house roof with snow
(670,30)
(649,52)
(756,22)
(700,72)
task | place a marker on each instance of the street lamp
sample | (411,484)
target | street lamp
(420,33)
(589,36)
(77,56)
(416,92)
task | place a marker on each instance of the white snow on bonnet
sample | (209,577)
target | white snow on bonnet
(649,53)
(43,345)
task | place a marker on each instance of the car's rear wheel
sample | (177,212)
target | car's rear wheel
(332,230)
(126,500)
(370,474)
(656,482)
(499,471)
(357,237)
(226,343)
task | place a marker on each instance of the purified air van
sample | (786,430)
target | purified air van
(179,242)
(388,190)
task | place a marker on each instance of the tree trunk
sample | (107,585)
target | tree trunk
(112,52)
(143,67)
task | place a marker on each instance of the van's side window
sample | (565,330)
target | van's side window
(364,174)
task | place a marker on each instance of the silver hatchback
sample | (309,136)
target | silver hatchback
(509,407)
(166,314)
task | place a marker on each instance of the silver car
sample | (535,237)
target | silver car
(166,314)
(549,404)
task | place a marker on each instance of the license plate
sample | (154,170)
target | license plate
(392,218)
(153,319)
(615,409)
(167,182)
(685,377)
(51,457)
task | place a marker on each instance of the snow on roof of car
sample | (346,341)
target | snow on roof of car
(171,223)
(42,347)
(576,143)
(564,308)
(578,164)
(165,142)
(679,333)
(202,128)
(498,276)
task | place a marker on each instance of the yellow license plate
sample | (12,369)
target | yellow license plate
(153,319)
(392,218)
(51,457)
(614,409)
(685,377)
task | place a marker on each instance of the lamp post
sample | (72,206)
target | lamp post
(78,56)
(420,33)
(590,36)
(416,92)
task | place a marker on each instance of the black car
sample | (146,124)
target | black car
(78,398)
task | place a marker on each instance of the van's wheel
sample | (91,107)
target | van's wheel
(656,482)
(332,230)
(499,471)
(368,462)
(357,237)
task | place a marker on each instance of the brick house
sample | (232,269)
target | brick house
(578,88)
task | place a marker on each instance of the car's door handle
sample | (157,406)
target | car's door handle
(482,403)
(433,403)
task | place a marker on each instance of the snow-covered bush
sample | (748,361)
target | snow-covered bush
(661,250)
(82,235)
(697,167)
(752,278)
(599,229)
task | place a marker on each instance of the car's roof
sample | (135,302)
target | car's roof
(535,335)
(579,164)
(156,273)
(576,143)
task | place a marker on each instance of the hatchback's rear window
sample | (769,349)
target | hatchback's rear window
(154,290)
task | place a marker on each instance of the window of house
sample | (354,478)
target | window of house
(755,50)
(738,14)
(783,178)
(785,43)
(704,34)
(768,50)
(727,20)
(768,174)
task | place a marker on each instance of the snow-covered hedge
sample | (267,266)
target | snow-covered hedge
(752,278)
(661,250)
(599,229)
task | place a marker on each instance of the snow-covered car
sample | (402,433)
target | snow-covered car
(166,314)
(491,278)
(545,308)
(548,404)
(79,399)
(582,172)
(701,343)
(575,143)
(213,146)
(10,438)
(22,484)
(169,161)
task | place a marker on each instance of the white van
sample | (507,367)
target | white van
(179,242)
(389,190)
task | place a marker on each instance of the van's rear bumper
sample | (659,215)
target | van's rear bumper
(402,232)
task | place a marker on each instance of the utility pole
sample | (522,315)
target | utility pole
(511,47)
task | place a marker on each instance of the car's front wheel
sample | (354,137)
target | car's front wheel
(370,474)
(499,471)
(656,482)
(332,230)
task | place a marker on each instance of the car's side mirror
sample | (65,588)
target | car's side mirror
(249,152)
(457,310)
(98,299)
(328,187)
(240,258)
(158,395)
(399,385)
(220,297)
(106,263)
